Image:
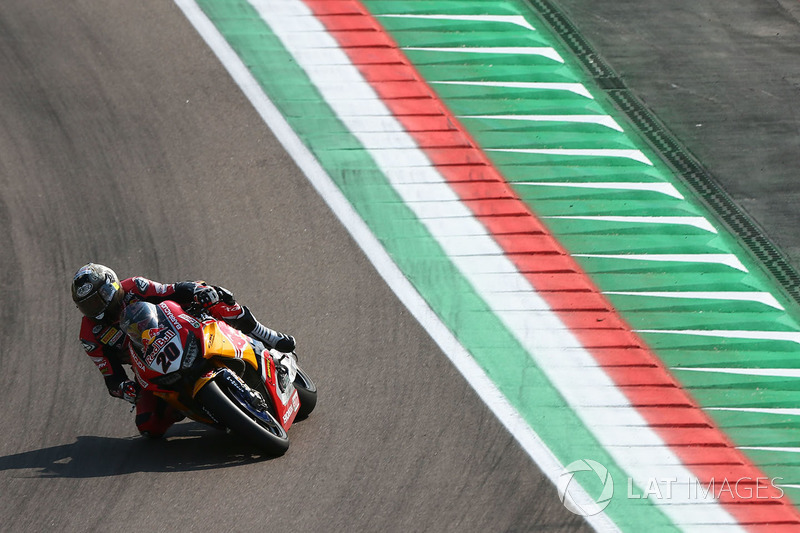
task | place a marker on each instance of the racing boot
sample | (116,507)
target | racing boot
(247,324)
(273,339)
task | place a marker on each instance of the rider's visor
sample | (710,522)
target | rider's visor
(96,304)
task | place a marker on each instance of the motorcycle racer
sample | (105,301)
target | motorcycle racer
(101,296)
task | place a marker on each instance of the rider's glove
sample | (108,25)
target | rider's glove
(225,295)
(205,296)
(285,344)
(128,391)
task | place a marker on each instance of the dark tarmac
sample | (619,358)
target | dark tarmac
(123,141)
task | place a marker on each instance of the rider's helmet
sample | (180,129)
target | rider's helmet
(97,292)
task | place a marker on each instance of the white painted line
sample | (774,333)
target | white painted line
(518,20)
(721,259)
(773,449)
(761,372)
(660,188)
(759,410)
(697,222)
(603,120)
(635,155)
(788,336)
(746,296)
(577,88)
(544,51)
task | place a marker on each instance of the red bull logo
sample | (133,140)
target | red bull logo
(154,340)
(148,336)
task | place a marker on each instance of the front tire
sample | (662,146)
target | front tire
(307,392)
(257,426)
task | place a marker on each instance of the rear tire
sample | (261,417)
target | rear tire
(307,392)
(257,426)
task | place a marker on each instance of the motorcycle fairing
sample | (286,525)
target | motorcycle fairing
(285,397)
(172,342)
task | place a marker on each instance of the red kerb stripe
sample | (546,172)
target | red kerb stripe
(639,373)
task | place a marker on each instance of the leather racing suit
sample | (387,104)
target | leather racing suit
(107,345)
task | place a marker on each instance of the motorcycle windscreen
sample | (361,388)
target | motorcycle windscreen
(154,337)
(139,318)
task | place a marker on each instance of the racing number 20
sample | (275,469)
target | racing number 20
(167,355)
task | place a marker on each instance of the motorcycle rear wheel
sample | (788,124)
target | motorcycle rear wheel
(257,426)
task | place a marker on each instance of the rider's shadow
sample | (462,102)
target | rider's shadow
(188,446)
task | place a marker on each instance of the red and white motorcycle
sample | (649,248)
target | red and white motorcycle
(215,374)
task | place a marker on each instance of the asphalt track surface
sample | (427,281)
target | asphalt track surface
(123,141)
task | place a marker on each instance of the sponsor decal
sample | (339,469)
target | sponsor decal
(110,336)
(149,335)
(236,381)
(294,405)
(172,320)
(102,365)
(116,338)
(139,363)
(142,382)
(84,289)
(88,346)
(141,284)
(190,319)
(160,288)
(97,329)
(154,341)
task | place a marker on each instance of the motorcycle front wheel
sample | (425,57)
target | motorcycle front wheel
(258,426)
(307,392)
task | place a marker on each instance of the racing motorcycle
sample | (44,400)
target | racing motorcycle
(215,374)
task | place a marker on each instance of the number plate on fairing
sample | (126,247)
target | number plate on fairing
(163,352)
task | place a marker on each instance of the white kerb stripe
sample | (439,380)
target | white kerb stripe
(518,20)
(603,120)
(544,51)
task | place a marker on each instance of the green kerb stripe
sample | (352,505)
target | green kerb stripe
(423,261)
